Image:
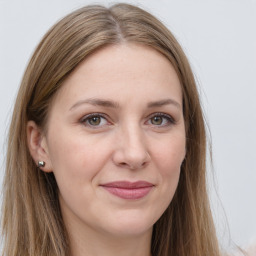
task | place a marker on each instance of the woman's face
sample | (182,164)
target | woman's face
(116,140)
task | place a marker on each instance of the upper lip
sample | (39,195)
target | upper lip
(128,184)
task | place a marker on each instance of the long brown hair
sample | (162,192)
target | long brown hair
(32,222)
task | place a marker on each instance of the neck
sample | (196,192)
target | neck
(91,243)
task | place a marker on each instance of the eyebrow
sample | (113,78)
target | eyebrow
(164,102)
(96,102)
(112,104)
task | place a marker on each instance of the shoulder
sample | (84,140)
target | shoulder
(249,250)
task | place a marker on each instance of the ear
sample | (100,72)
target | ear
(38,146)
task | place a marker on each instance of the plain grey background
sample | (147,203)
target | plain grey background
(219,38)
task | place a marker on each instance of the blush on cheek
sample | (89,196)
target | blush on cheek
(171,163)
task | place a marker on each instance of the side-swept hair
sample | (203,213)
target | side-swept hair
(32,221)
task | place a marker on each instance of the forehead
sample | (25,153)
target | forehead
(123,72)
(127,58)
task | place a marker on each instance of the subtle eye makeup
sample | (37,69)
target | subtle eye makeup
(95,120)
(100,120)
(161,120)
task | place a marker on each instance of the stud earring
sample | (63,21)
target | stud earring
(40,164)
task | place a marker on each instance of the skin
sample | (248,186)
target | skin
(131,141)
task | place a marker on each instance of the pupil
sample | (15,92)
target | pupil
(157,120)
(94,120)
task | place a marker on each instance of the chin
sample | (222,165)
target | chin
(132,225)
(131,231)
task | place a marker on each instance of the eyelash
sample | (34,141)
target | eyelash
(85,120)
(170,120)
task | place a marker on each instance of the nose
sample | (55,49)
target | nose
(131,149)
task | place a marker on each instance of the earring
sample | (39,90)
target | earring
(40,164)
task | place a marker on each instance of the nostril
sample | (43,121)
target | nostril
(123,164)
(131,159)
(131,166)
(144,163)
(126,165)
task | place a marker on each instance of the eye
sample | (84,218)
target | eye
(94,120)
(161,119)
(157,120)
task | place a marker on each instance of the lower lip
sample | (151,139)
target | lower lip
(129,193)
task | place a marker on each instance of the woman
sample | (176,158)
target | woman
(106,152)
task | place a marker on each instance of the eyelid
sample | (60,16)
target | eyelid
(93,114)
(96,114)
(170,119)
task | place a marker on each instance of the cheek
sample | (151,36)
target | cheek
(170,154)
(76,160)
(75,157)
(169,157)
(72,151)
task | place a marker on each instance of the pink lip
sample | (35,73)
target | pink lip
(128,190)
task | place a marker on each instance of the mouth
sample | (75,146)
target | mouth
(128,190)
